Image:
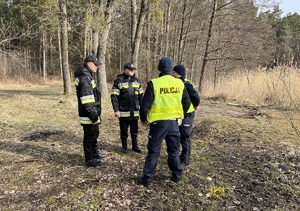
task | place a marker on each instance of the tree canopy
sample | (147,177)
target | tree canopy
(211,38)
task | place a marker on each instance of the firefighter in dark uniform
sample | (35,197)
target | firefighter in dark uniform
(126,95)
(165,102)
(89,109)
(185,128)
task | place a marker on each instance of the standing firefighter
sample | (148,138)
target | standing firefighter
(164,103)
(89,109)
(187,123)
(126,95)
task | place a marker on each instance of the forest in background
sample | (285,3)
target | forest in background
(212,38)
(245,156)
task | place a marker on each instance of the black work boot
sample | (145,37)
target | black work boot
(135,146)
(93,163)
(145,184)
(124,146)
(97,154)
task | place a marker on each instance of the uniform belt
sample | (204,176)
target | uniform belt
(165,120)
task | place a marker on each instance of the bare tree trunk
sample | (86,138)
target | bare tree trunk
(121,50)
(133,23)
(86,27)
(180,39)
(185,34)
(65,59)
(160,38)
(138,32)
(209,33)
(40,56)
(44,57)
(192,70)
(167,32)
(95,42)
(59,52)
(172,35)
(101,74)
(148,44)
(156,51)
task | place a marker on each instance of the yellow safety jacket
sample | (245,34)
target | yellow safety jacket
(167,99)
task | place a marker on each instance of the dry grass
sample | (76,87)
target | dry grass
(279,87)
(32,82)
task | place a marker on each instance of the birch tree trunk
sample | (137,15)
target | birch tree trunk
(101,74)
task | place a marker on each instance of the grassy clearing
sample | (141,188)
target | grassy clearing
(239,161)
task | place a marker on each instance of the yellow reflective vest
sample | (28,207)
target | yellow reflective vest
(167,99)
(191,108)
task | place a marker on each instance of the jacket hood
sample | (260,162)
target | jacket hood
(82,71)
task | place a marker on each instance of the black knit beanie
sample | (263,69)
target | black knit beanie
(180,69)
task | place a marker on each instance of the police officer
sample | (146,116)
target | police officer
(89,109)
(185,128)
(164,102)
(126,95)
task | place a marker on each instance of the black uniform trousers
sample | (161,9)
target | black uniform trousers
(90,148)
(168,130)
(185,138)
(124,124)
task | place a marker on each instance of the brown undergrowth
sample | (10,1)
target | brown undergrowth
(241,160)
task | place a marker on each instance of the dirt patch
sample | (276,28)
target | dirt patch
(223,111)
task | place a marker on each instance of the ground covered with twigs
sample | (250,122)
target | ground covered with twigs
(241,160)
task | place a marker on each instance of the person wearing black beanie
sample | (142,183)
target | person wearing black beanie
(185,128)
(180,70)
(164,102)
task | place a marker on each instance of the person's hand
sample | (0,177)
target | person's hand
(197,108)
(145,123)
(96,123)
(117,114)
